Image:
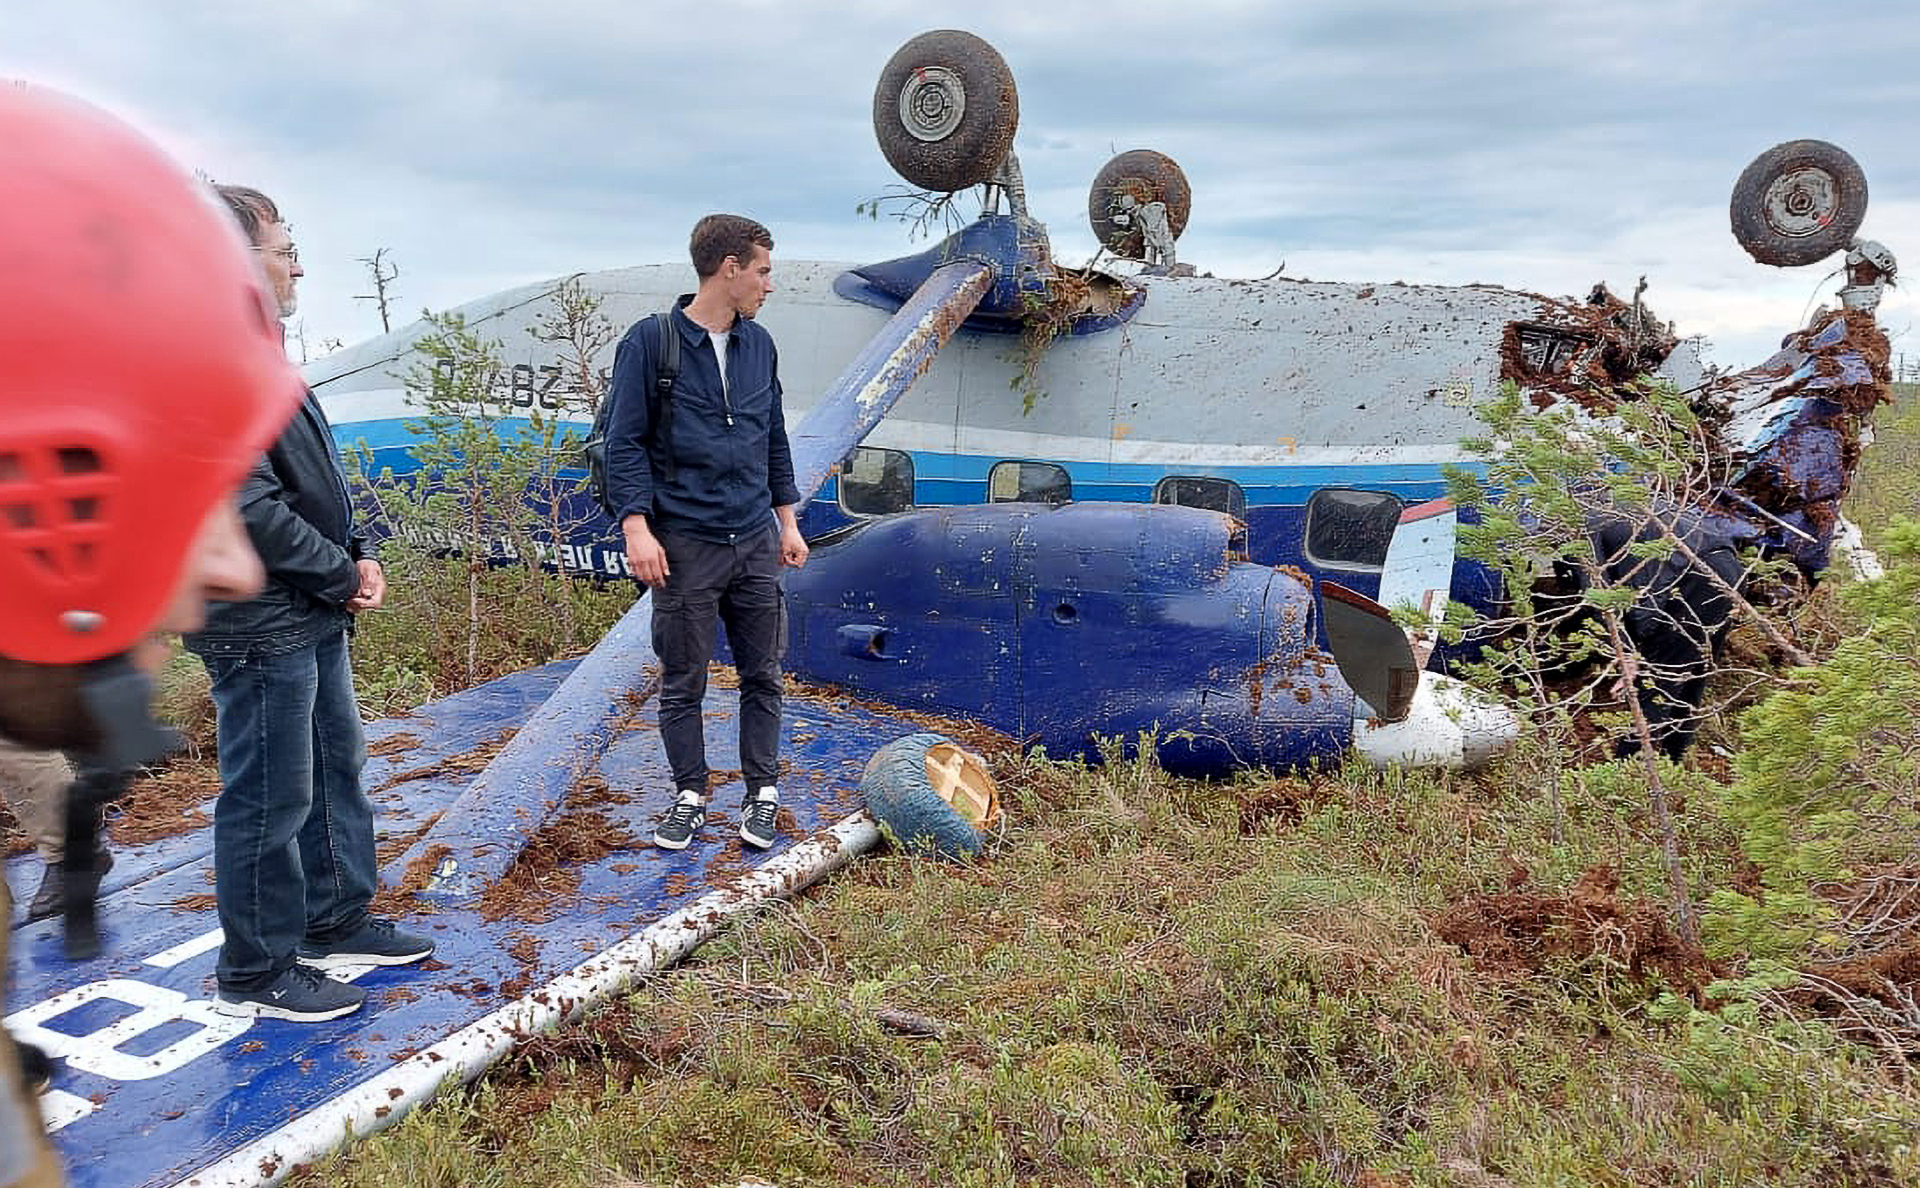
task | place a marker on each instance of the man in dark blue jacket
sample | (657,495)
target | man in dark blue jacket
(703,480)
(293,851)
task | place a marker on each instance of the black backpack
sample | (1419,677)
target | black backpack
(594,449)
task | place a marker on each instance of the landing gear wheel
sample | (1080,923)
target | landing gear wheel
(1798,202)
(1146,176)
(931,794)
(945,110)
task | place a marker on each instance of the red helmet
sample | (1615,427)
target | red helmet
(141,375)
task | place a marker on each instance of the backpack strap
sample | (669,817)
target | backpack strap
(666,370)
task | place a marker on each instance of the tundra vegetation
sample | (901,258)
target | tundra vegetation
(472,593)
(1362,978)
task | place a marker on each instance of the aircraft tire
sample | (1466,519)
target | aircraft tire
(903,787)
(1798,203)
(945,110)
(1148,176)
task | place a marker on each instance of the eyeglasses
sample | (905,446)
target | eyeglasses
(289,253)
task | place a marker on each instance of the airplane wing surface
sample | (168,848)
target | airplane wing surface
(153,1087)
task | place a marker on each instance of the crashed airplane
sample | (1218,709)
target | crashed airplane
(1062,502)
(1315,417)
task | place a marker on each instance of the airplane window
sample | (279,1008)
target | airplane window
(1028,482)
(1214,494)
(1350,529)
(876,482)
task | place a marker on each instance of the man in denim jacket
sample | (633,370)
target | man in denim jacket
(708,508)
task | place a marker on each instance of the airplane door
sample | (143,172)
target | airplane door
(1078,631)
(969,630)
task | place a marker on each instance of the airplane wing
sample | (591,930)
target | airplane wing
(153,1087)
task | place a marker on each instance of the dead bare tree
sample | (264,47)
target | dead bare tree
(384,273)
(580,335)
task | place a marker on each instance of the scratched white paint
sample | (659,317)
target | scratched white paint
(1229,372)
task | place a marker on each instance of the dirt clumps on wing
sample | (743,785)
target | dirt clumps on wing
(541,882)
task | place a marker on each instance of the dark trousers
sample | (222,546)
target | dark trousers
(739,584)
(293,852)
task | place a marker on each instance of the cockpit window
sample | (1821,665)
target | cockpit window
(876,482)
(1349,529)
(1214,494)
(1028,482)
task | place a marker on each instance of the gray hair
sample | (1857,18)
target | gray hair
(252,208)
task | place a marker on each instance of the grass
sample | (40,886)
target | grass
(1889,483)
(1151,981)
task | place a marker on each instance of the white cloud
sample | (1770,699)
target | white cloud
(486,143)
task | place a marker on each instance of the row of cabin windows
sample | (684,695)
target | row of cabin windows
(1345,529)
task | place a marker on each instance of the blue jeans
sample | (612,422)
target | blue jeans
(293,850)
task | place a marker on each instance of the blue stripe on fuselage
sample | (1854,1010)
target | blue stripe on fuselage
(946,478)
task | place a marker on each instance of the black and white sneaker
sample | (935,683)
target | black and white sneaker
(758,826)
(374,942)
(302,994)
(677,828)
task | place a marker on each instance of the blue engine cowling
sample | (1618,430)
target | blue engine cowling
(1060,624)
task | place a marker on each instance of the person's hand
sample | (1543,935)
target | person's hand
(373,586)
(645,557)
(793,549)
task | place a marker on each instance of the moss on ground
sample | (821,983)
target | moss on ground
(1141,988)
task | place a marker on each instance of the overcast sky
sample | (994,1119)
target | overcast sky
(1541,145)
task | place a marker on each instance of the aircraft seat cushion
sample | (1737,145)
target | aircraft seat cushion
(932,795)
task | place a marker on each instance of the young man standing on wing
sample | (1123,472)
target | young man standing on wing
(703,480)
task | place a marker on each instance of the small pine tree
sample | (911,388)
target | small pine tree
(1826,790)
(486,490)
(1553,485)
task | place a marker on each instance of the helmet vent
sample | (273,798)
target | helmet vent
(78,460)
(53,506)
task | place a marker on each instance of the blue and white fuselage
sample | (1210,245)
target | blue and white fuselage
(1246,396)
(1318,419)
